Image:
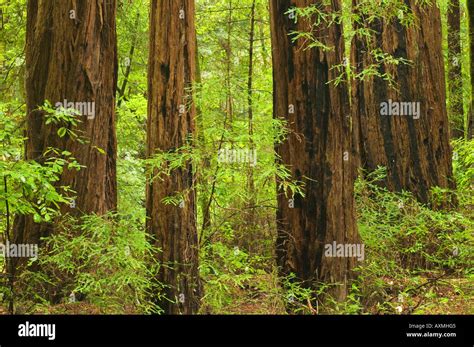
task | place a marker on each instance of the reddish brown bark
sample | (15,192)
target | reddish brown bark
(172,71)
(416,152)
(315,150)
(72,56)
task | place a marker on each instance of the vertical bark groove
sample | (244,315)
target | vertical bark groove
(416,151)
(172,71)
(73,59)
(317,150)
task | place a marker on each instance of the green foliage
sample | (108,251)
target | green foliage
(132,31)
(107,261)
(28,186)
(12,59)
(407,245)
(359,22)
(463,167)
(462,87)
(224,269)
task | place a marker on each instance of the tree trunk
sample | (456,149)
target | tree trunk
(456,109)
(129,60)
(414,147)
(316,150)
(251,225)
(2,51)
(228,61)
(71,55)
(203,196)
(171,114)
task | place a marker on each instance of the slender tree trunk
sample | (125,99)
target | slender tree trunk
(2,50)
(171,113)
(316,150)
(5,8)
(261,28)
(71,55)
(470,10)
(227,45)
(204,195)
(9,266)
(414,147)
(456,110)
(128,68)
(251,225)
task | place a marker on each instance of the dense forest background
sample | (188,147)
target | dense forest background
(237,157)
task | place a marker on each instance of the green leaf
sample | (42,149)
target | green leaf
(37,218)
(62,132)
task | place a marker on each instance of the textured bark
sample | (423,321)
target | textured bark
(171,73)
(72,59)
(470,10)
(416,152)
(456,110)
(314,150)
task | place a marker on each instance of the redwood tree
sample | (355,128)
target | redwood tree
(317,149)
(71,55)
(414,148)
(171,113)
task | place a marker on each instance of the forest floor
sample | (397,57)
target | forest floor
(447,296)
(450,296)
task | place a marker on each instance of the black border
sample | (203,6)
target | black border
(247,330)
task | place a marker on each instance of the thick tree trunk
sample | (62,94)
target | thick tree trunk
(456,109)
(171,114)
(71,55)
(317,150)
(414,147)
